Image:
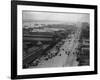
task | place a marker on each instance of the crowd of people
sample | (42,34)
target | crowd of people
(49,54)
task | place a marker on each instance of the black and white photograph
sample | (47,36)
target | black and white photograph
(53,39)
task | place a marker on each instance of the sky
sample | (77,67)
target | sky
(54,16)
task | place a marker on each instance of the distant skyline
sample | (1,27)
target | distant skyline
(55,17)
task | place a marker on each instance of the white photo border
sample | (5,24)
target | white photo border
(21,71)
